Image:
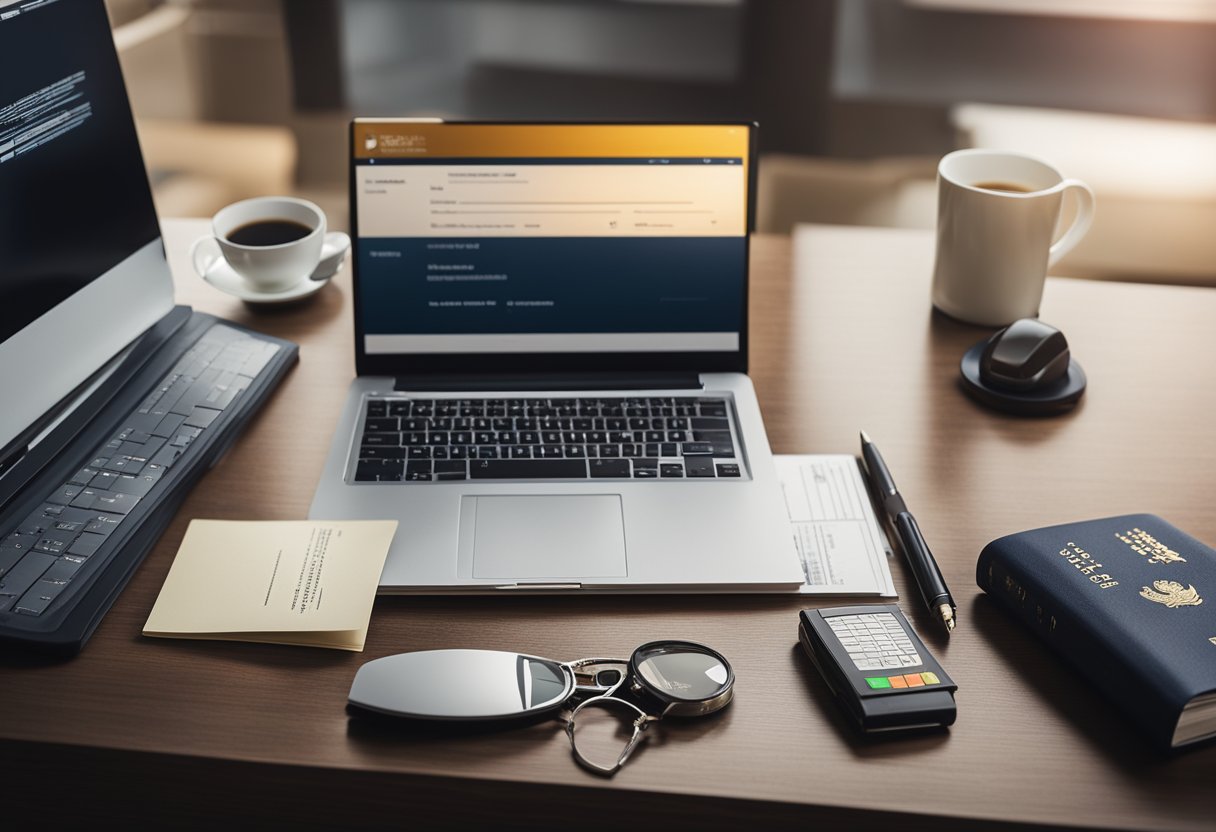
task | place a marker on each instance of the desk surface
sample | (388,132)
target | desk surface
(842,338)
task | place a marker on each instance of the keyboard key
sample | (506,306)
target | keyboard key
(727,469)
(83,476)
(382,425)
(646,462)
(86,544)
(27,571)
(697,449)
(380,440)
(115,503)
(518,469)
(202,417)
(645,473)
(63,570)
(39,597)
(9,558)
(379,470)
(610,468)
(54,544)
(418,471)
(699,466)
(102,524)
(671,470)
(65,495)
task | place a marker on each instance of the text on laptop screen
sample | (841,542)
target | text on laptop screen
(512,238)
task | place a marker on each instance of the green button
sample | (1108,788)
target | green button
(877,682)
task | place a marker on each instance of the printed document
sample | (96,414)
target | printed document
(842,548)
(279,582)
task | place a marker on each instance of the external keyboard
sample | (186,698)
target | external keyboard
(54,549)
(437,440)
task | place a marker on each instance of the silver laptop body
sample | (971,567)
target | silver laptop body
(551,344)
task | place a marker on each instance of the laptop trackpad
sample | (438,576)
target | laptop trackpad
(529,538)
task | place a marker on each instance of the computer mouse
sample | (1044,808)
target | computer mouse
(1024,356)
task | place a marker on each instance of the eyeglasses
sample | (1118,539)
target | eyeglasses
(661,678)
(610,696)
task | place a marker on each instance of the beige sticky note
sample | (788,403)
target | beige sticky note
(283,582)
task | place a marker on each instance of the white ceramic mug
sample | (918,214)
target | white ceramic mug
(271,268)
(994,246)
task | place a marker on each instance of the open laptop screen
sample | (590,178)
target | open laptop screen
(550,240)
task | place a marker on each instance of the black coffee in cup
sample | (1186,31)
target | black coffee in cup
(268,232)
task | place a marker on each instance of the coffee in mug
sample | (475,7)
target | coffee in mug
(272,242)
(996,222)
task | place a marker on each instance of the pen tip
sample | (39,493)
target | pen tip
(947,614)
(865,437)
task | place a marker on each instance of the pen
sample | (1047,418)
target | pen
(924,567)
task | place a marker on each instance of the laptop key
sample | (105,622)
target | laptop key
(699,466)
(419,471)
(645,473)
(697,449)
(610,468)
(671,470)
(379,470)
(727,469)
(519,469)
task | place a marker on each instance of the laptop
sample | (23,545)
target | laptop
(116,401)
(551,355)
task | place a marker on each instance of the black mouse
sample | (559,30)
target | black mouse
(1026,355)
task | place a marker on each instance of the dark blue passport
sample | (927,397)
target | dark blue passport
(1130,602)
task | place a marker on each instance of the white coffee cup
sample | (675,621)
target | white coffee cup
(274,267)
(994,246)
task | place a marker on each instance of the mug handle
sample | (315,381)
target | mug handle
(333,252)
(205,253)
(1080,224)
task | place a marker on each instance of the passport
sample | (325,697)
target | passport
(1130,602)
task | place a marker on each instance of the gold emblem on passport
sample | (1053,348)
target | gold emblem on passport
(1171,594)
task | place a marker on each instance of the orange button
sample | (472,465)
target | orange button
(931,678)
(897,681)
(914,680)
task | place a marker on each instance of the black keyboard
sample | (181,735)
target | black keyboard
(85,527)
(438,440)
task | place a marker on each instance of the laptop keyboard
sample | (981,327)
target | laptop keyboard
(43,555)
(653,438)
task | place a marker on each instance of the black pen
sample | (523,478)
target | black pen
(924,567)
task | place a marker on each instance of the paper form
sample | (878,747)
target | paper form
(842,548)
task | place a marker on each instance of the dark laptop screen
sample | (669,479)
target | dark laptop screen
(74,198)
(542,239)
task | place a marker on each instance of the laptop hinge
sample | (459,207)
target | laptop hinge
(548,381)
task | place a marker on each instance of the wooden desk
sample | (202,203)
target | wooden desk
(842,338)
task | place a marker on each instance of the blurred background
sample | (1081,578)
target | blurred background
(857,99)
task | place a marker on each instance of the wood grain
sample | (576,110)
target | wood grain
(843,338)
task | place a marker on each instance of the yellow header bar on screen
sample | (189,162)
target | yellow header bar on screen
(391,139)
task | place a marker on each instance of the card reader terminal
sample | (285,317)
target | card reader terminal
(877,667)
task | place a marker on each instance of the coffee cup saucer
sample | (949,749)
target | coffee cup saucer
(222,277)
